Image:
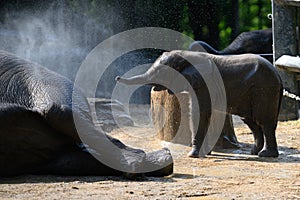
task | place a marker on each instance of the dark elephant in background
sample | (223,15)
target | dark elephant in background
(38,134)
(256,42)
(253,92)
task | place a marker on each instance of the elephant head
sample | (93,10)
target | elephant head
(258,42)
(172,70)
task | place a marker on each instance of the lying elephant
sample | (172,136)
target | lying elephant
(257,42)
(253,91)
(38,134)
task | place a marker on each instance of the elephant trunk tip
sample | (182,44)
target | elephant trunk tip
(120,79)
(117,78)
(134,80)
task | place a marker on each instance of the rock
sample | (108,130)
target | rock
(109,114)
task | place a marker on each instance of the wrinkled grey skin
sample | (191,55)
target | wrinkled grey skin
(38,134)
(253,89)
(257,42)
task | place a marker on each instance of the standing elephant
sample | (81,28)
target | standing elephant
(38,134)
(257,42)
(253,92)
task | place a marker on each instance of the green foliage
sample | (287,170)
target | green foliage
(225,34)
(176,14)
(209,20)
(253,14)
(185,22)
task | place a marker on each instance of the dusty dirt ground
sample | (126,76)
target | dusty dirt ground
(230,174)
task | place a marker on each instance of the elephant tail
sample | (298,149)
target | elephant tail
(280,97)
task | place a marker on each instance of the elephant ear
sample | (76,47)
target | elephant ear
(193,76)
(195,73)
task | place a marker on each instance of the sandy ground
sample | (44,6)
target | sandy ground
(230,174)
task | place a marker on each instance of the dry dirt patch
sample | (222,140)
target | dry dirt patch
(230,174)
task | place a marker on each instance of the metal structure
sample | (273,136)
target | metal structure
(286,21)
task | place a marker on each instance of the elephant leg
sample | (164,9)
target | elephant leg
(265,112)
(79,162)
(76,162)
(257,134)
(198,137)
(270,145)
(107,149)
(228,138)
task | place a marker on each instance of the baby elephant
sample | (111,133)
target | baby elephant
(252,86)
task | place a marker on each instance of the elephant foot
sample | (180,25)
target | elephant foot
(165,171)
(194,153)
(230,143)
(156,164)
(134,176)
(255,150)
(268,153)
(159,163)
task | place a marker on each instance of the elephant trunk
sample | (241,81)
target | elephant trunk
(203,46)
(135,80)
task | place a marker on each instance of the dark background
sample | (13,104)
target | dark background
(60,33)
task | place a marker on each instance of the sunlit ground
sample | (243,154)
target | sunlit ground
(230,174)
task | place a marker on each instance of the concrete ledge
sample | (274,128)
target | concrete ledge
(289,63)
